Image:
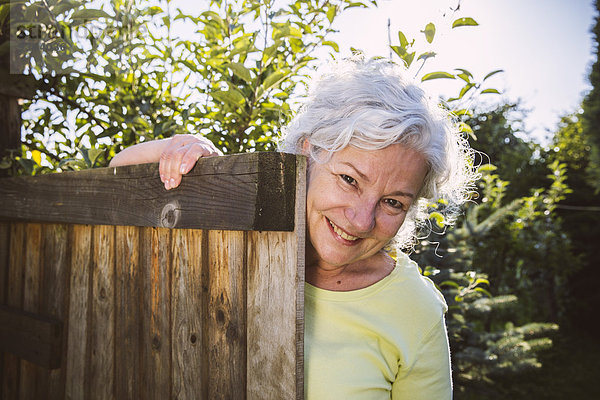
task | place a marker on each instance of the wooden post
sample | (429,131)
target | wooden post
(196,293)
(10,110)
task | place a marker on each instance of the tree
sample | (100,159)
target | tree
(591,113)
(500,138)
(122,75)
(580,213)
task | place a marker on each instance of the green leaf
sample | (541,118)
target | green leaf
(449,283)
(408,58)
(273,79)
(438,218)
(481,280)
(331,11)
(465,89)
(482,290)
(464,75)
(403,41)
(93,155)
(429,32)
(286,31)
(240,71)
(87,13)
(487,168)
(332,44)
(36,156)
(465,21)
(462,111)
(493,73)
(493,91)
(437,75)
(4,12)
(465,128)
(231,96)
(425,56)
(401,51)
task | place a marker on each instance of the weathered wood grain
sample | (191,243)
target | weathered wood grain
(156,341)
(227,315)
(102,328)
(253,191)
(186,314)
(159,313)
(4,247)
(276,307)
(272,279)
(127,313)
(300,240)
(30,336)
(54,300)
(79,304)
(31,301)
(14,298)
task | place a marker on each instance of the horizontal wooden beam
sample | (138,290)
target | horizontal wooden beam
(251,191)
(35,338)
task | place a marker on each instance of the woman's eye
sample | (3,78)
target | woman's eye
(348,179)
(394,203)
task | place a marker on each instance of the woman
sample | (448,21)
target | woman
(379,152)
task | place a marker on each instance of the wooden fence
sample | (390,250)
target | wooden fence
(113,288)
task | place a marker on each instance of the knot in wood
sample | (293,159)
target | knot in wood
(170,214)
(155,342)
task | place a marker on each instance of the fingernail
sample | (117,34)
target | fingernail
(172,183)
(182,169)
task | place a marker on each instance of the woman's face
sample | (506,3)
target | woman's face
(357,201)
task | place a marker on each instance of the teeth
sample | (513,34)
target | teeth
(343,234)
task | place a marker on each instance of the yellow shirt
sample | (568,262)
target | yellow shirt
(385,341)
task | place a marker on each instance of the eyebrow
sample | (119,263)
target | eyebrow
(366,179)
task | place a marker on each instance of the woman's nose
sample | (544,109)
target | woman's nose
(362,216)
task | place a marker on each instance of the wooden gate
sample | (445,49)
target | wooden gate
(113,288)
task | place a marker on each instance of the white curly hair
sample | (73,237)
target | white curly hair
(370,104)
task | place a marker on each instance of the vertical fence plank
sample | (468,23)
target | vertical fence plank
(127,313)
(227,315)
(31,302)
(4,262)
(4,259)
(156,341)
(102,334)
(186,311)
(77,330)
(14,298)
(272,284)
(54,300)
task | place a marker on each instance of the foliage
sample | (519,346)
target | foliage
(125,76)
(408,48)
(580,215)
(501,140)
(490,330)
(591,112)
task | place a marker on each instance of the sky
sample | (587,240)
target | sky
(545,48)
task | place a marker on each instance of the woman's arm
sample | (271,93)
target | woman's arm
(176,156)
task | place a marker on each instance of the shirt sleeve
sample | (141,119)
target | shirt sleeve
(429,377)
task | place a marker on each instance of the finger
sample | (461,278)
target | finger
(170,159)
(170,163)
(193,153)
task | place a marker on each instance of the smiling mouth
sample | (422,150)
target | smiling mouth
(341,233)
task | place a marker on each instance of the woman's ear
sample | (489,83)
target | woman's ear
(305,147)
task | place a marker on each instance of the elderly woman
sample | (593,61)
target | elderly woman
(378,152)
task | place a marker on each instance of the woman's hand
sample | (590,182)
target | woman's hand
(180,156)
